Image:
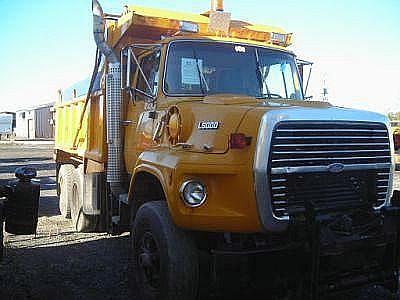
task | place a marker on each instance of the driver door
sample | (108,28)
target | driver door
(141,101)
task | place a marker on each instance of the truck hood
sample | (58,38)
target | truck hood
(210,124)
(215,118)
(316,111)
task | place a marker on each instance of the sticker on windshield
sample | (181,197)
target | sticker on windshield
(190,70)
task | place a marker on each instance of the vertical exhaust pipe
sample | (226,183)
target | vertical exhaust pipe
(220,5)
(217,5)
(113,102)
(99,26)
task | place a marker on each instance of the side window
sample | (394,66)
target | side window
(150,65)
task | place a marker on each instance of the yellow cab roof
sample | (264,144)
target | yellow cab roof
(140,24)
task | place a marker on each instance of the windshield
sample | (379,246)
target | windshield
(202,68)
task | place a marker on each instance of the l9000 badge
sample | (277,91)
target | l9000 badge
(208,125)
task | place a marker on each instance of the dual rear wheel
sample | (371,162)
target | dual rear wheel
(71,192)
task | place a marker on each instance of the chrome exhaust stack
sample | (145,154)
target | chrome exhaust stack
(99,26)
(113,101)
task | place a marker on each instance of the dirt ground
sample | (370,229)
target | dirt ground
(58,263)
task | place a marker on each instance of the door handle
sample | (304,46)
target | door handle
(128,123)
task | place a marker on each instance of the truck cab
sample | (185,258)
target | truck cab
(199,140)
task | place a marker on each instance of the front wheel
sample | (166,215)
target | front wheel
(164,258)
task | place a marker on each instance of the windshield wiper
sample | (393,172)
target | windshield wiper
(201,75)
(262,80)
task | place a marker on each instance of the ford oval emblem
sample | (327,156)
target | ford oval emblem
(335,168)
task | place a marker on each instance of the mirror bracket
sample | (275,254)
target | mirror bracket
(300,65)
(128,57)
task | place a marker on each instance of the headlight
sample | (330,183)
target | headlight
(193,193)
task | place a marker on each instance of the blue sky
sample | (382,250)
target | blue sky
(47,45)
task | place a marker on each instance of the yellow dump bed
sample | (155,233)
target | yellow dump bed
(87,142)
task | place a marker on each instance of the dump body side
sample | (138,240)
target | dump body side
(86,139)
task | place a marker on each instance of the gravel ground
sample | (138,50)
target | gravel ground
(58,263)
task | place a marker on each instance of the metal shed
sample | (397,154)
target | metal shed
(35,123)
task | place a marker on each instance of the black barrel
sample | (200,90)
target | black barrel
(23,203)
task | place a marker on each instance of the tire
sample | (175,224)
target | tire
(164,262)
(80,221)
(64,184)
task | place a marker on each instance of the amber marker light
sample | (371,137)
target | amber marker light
(174,125)
(239,141)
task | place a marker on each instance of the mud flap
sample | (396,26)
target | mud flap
(93,192)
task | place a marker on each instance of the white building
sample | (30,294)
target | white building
(7,125)
(35,123)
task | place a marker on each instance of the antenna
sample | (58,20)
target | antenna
(324,93)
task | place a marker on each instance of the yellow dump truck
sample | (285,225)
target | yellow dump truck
(196,136)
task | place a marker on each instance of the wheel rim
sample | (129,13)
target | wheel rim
(149,262)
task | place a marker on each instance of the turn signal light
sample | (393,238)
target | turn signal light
(239,141)
(396,138)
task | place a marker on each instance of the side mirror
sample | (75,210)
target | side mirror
(126,73)
(126,65)
(301,64)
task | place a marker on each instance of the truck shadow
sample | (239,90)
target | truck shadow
(47,183)
(87,266)
(72,268)
(23,159)
(38,166)
(48,206)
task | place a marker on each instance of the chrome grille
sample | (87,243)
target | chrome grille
(308,148)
